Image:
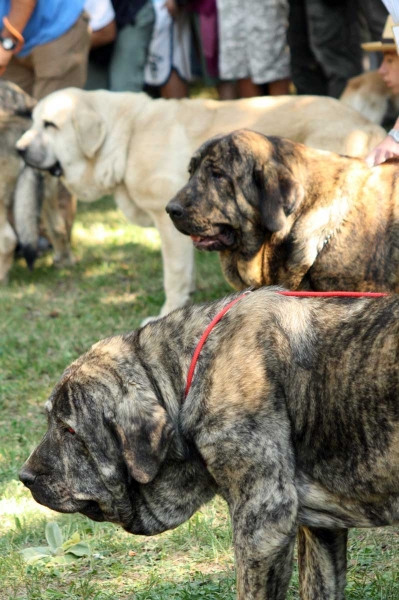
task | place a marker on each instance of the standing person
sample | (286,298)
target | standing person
(374,14)
(324,39)
(102,22)
(253,45)
(103,34)
(389,71)
(44,47)
(44,44)
(169,59)
(117,61)
(135,22)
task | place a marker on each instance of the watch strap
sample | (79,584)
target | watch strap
(15,33)
(394,133)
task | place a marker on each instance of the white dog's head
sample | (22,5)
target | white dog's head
(77,135)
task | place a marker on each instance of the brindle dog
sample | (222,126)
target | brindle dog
(30,202)
(282,213)
(292,417)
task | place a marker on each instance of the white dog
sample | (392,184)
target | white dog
(368,94)
(138,149)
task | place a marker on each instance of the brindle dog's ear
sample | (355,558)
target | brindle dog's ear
(90,130)
(145,438)
(279,194)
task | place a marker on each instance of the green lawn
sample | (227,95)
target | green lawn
(47,319)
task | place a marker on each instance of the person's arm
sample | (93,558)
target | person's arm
(19,14)
(172,7)
(388,148)
(103,36)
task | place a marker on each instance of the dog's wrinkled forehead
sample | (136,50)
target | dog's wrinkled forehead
(211,149)
(226,150)
(104,372)
(221,150)
(55,108)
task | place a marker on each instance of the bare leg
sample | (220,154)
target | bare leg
(247,88)
(227,90)
(175,87)
(280,87)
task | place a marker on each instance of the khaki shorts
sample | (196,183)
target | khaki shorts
(59,64)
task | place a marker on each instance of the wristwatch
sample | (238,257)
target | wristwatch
(394,133)
(8,43)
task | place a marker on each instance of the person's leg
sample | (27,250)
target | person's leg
(175,87)
(63,62)
(247,88)
(20,71)
(307,75)
(266,47)
(335,41)
(177,84)
(97,76)
(227,90)
(281,87)
(130,52)
(232,41)
(375,15)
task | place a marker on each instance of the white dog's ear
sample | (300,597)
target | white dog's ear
(90,130)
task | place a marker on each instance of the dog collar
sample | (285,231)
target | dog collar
(224,310)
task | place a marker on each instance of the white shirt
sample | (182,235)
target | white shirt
(101,13)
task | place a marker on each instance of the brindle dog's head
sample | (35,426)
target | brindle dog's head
(241,187)
(111,451)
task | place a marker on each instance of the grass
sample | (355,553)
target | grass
(47,319)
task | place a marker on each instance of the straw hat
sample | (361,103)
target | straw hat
(387,42)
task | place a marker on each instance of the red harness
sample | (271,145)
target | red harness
(224,310)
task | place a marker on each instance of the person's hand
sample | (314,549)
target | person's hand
(5,57)
(388,148)
(172,8)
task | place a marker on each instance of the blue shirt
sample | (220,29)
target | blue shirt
(49,21)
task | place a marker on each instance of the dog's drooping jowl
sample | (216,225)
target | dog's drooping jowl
(292,417)
(280,213)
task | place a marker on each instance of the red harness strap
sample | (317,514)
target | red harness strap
(220,315)
(203,340)
(334,294)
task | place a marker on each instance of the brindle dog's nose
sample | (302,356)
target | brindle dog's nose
(27,477)
(174,210)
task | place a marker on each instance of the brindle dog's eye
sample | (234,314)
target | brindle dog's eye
(49,124)
(67,428)
(217,174)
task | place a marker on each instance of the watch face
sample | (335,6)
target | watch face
(394,133)
(8,43)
